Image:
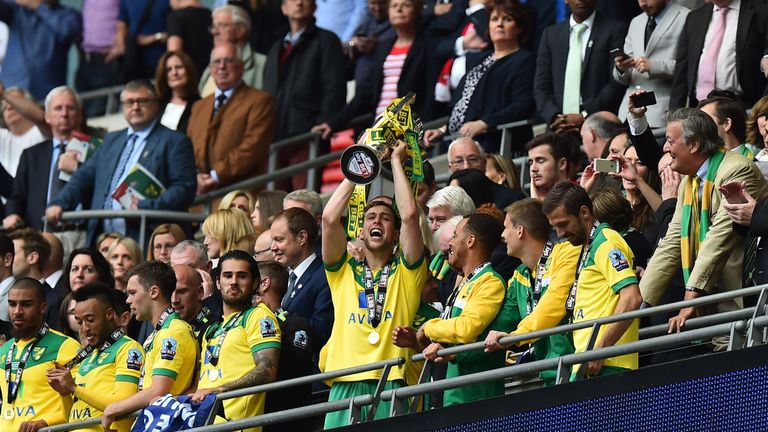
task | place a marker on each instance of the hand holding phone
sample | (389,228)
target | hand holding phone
(643,99)
(606,165)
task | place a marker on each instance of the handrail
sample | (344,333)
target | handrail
(143,215)
(689,334)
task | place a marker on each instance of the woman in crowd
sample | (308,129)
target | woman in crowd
(498,87)
(105,240)
(757,128)
(610,206)
(268,204)
(164,238)
(176,81)
(401,65)
(225,230)
(241,199)
(124,254)
(83,267)
(501,171)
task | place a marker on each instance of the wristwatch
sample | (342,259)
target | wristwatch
(158,36)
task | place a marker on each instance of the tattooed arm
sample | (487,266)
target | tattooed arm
(264,372)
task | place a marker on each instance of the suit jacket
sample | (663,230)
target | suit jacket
(30,187)
(751,46)
(235,142)
(167,155)
(720,256)
(598,91)
(661,51)
(311,299)
(311,86)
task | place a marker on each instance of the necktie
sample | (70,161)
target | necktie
(121,164)
(291,285)
(220,100)
(572,92)
(287,47)
(649,28)
(57,184)
(708,62)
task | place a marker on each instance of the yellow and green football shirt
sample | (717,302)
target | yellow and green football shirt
(36,400)
(171,351)
(349,343)
(608,269)
(254,330)
(105,377)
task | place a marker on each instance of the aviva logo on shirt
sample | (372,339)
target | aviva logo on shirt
(359,318)
(80,414)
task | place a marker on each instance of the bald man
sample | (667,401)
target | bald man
(597,130)
(187,299)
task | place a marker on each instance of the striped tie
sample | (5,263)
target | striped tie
(124,156)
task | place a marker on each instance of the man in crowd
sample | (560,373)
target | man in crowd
(707,54)
(541,284)
(29,403)
(24,126)
(713,261)
(731,121)
(471,308)
(296,347)
(144,21)
(363,321)
(194,254)
(230,129)
(310,201)
(232,26)
(37,178)
(187,300)
(573,70)
(7,253)
(52,277)
(99,66)
(41,33)
(548,163)
(171,350)
(305,75)
(109,365)
(446,203)
(650,48)
(165,154)
(597,130)
(605,282)
(243,349)
(293,234)
(31,255)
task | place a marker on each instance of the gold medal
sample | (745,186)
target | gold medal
(373,338)
(8,413)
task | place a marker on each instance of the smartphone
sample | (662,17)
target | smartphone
(606,165)
(619,53)
(643,99)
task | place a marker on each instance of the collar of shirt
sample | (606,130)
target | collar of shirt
(734,6)
(660,14)
(702,171)
(474,8)
(142,134)
(53,279)
(228,92)
(293,38)
(589,22)
(303,266)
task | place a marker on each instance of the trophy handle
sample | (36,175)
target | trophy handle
(360,164)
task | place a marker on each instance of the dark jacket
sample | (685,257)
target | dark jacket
(30,187)
(311,85)
(184,119)
(311,299)
(419,75)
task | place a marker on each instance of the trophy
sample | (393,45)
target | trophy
(361,163)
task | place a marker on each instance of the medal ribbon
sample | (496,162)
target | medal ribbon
(148,343)
(455,293)
(548,247)
(376,307)
(571,301)
(13,387)
(85,351)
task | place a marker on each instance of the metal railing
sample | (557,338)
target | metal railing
(753,321)
(112,94)
(142,215)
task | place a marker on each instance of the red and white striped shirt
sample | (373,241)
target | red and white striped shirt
(393,66)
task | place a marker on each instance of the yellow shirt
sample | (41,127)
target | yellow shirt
(349,343)
(254,330)
(608,269)
(36,400)
(105,377)
(171,351)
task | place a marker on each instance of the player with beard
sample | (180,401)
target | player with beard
(605,282)
(243,349)
(372,296)
(111,362)
(29,403)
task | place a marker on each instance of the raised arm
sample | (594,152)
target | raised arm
(26,108)
(334,239)
(410,233)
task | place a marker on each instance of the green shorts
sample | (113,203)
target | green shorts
(343,390)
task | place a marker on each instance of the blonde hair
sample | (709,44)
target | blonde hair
(167,228)
(230,226)
(506,167)
(226,202)
(133,249)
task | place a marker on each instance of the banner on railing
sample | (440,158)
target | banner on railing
(174,413)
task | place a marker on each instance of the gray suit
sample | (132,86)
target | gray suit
(661,50)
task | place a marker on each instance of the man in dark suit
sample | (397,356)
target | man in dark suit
(231,129)
(37,177)
(729,41)
(305,74)
(568,86)
(293,234)
(164,153)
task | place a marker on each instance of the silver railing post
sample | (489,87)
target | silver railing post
(582,371)
(314,150)
(143,230)
(377,393)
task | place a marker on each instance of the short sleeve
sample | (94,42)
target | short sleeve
(173,353)
(67,352)
(128,363)
(262,330)
(615,260)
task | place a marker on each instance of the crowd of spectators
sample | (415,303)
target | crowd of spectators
(628,204)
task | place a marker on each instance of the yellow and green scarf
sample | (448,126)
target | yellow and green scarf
(745,151)
(695,221)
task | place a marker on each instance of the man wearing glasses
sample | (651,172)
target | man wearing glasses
(231,129)
(165,154)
